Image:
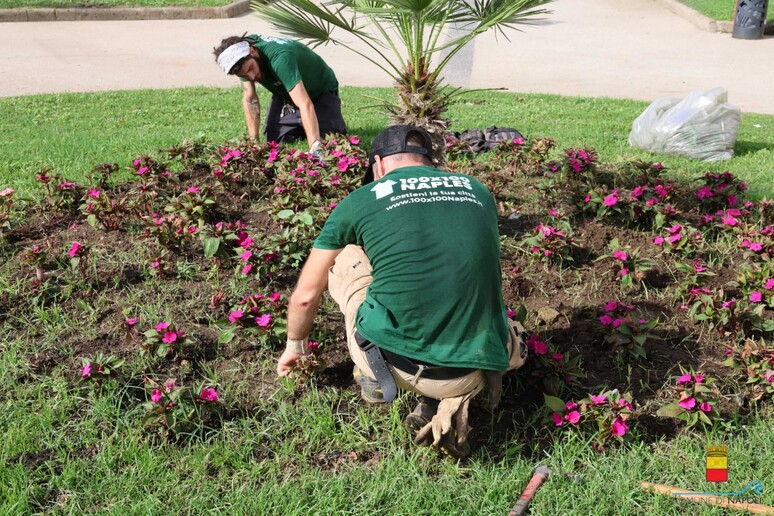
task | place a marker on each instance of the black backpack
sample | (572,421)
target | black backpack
(494,135)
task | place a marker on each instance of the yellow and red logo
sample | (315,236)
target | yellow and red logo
(717,463)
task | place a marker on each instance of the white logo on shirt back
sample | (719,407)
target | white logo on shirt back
(383,188)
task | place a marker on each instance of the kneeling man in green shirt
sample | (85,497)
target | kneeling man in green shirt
(412,259)
(305,92)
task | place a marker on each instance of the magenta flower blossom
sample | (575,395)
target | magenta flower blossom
(570,405)
(312,346)
(263,320)
(247,243)
(557,357)
(769,284)
(606,320)
(610,306)
(573,417)
(169,385)
(675,238)
(162,326)
(86,370)
(169,337)
(687,403)
(354,140)
(246,256)
(209,394)
(132,321)
(536,345)
(756,297)
(756,246)
(156,396)
(618,322)
(275,296)
(620,255)
(705,407)
(193,190)
(675,229)
(704,193)
(732,200)
(658,240)
(75,249)
(246,269)
(684,379)
(610,200)
(510,313)
(235,315)
(619,427)
(93,193)
(598,400)
(730,303)
(142,170)
(698,378)
(624,271)
(587,199)
(729,220)
(558,421)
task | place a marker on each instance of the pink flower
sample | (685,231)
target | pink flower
(156,396)
(658,240)
(193,190)
(510,313)
(684,379)
(675,229)
(728,220)
(698,378)
(93,193)
(354,140)
(570,405)
(730,303)
(246,256)
(557,356)
(312,345)
(263,320)
(155,264)
(598,400)
(624,271)
(606,320)
(620,255)
(756,297)
(247,243)
(704,193)
(769,284)
(610,200)
(540,348)
(75,249)
(732,200)
(610,306)
(675,238)
(132,321)
(619,427)
(618,322)
(169,337)
(169,385)
(235,315)
(275,296)
(587,199)
(756,246)
(162,326)
(557,419)
(705,407)
(246,269)
(142,170)
(86,370)
(192,229)
(573,417)
(687,403)
(209,394)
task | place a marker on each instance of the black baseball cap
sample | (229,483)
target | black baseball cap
(394,140)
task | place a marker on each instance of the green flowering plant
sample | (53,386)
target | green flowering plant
(679,239)
(556,372)
(261,316)
(165,339)
(695,274)
(58,193)
(754,362)
(606,416)
(179,410)
(629,265)
(697,398)
(719,191)
(102,211)
(6,208)
(627,333)
(552,244)
(309,364)
(100,367)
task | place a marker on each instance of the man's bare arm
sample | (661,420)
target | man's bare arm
(301,99)
(304,303)
(252,109)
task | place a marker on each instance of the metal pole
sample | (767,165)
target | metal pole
(750,19)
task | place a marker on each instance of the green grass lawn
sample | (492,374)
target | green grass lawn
(719,9)
(72,132)
(61,4)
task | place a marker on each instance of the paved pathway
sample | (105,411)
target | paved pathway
(616,48)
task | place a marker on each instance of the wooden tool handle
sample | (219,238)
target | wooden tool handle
(693,496)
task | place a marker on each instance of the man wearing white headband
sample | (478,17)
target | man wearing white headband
(305,100)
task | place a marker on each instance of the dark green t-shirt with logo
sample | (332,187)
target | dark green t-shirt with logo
(291,62)
(433,242)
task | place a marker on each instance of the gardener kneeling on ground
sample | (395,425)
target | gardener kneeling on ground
(305,92)
(412,259)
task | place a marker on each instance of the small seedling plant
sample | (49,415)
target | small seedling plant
(696,401)
(604,416)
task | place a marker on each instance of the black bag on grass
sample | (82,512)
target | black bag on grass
(494,135)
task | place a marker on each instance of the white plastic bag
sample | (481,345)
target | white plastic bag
(702,126)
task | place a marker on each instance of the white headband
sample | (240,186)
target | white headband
(233,54)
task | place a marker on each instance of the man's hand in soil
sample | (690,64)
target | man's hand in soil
(287,361)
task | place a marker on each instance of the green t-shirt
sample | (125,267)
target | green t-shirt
(291,62)
(433,242)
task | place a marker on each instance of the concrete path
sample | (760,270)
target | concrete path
(616,48)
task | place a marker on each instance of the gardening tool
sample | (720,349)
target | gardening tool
(693,496)
(539,476)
